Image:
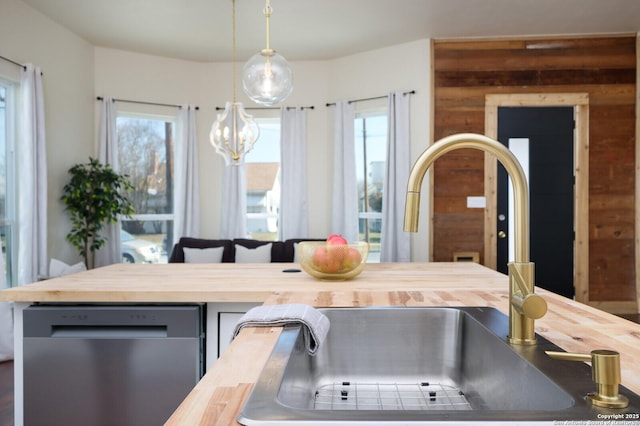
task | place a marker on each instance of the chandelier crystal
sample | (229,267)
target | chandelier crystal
(234,132)
(267,77)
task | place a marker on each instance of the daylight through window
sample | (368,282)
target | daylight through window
(370,145)
(145,154)
(262,171)
(8,120)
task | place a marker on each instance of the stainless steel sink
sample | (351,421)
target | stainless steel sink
(419,366)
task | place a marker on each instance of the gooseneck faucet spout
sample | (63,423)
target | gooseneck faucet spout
(524,305)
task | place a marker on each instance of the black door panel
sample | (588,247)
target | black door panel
(551,181)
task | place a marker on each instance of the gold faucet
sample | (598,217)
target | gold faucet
(524,305)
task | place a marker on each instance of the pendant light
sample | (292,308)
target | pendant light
(234,132)
(267,78)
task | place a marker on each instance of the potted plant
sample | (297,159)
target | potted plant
(94,197)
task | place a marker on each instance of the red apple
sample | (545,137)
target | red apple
(352,259)
(331,267)
(338,252)
(337,246)
(324,262)
(336,239)
(320,256)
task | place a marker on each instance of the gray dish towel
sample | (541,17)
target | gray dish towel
(315,325)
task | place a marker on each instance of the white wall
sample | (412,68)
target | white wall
(75,73)
(26,36)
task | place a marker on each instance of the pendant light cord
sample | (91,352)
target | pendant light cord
(233,42)
(267,14)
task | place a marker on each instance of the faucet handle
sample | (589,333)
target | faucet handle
(605,371)
(526,301)
(531,306)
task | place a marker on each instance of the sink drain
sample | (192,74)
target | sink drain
(389,396)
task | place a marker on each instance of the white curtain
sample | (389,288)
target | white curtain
(108,154)
(345,190)
(6,320)
(293,174)
(186,207)
(233,223)
(32,180)
(395,242)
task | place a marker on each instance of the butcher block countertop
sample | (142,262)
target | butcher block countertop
(248,282)
(218,397)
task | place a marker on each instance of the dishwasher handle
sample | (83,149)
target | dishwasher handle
(108,331)
(112,321)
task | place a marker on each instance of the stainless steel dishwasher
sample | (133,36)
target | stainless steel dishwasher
(109,365)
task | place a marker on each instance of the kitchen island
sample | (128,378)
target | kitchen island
(220,394)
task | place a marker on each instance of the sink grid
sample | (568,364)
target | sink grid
(389,396)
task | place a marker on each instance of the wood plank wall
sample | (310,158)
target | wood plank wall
(603,67)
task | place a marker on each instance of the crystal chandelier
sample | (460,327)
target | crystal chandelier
(234,132)
(267,77)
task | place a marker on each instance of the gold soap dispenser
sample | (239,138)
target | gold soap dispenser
(605,367)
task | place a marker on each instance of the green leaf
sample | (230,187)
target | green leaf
(92,198)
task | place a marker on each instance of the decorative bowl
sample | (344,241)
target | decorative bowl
(338,262)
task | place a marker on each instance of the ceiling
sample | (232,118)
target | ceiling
(200,30)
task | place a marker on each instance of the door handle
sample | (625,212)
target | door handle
(502,234)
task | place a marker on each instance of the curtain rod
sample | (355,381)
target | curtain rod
(288,108)
(100,98)
(24,67)
(302,107)
(410,92)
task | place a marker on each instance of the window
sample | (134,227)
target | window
(262,171)
(145,145)
(8,120)
(370,145)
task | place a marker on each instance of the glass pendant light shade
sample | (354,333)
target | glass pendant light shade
(267,77)
(233,133)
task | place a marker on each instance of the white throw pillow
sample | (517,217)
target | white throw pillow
(205,255)
(295,252)
(261,254)
(58,268)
